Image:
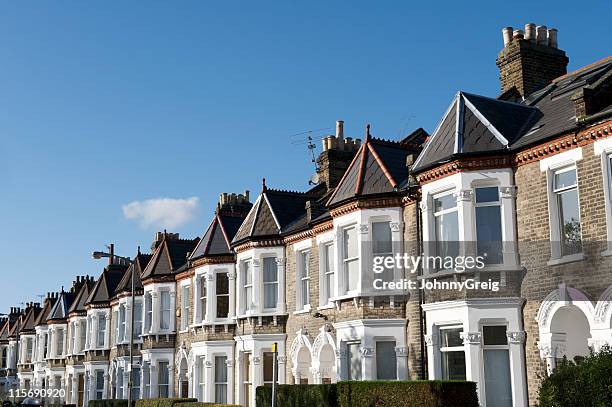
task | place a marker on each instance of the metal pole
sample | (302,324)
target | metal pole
(274,373)
(131,370)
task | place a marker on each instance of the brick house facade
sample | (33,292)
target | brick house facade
(522,181)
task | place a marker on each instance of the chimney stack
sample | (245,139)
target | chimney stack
(530,60)
(338,152)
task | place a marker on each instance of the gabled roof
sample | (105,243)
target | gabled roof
(27,321)
(61,307)
(140,263)
(104,288)
(47,306)
(168,257)
(272,213)
(217,239)
(78,305)
(475,124)
(4,328)
(379,167)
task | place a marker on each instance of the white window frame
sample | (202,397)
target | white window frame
(185,298)
(303,280)
(327,291)
(485,347)
(246,286)
(218,296)
(603,148)
(448,349)
(202,298)
(163,292)
(346,260)
(101,333)
(497,203)
(274,283)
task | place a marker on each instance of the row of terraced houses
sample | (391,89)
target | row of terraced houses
(530,169)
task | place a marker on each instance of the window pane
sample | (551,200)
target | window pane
(498,388)
(165,310)
(445,202)
(352,271)
(570,221)
(488,194)
(451,337)
(350,243)
(222,284)
(489,233)
(453,365)
(329,257)
(565,179)
(270,269)
(381,236)
(386,364)
(494,335)
(354,361)
(447,234)
(268,362)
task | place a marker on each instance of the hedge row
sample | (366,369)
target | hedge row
(173,402)
(161,402)
(108,403)
(373,393)
(197,404)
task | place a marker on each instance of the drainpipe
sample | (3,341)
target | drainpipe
(419,239)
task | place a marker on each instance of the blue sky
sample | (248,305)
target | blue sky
(107,103)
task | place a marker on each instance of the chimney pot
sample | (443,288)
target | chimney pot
(530,32)
(518,35)
(507,33)
(542,35)
(552,38)
(340,129)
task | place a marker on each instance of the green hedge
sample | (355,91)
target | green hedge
(587,382)
(302,395)
(108,403)
(198,404)
(373,394)
(161,402)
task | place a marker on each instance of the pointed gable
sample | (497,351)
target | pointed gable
(78,305)
(169,256)
(475,124)
(218,237)
(105,286)
(27,322)
(46,310)
(378,168)
(140,263)
(272,213)
(60,308)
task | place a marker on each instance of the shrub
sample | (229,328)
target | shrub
(587,382)
(198,404)
(161,402)
(373,394)
(108,403)
(302,395)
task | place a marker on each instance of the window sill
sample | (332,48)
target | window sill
(303,311)
(607,253)
(566,259)
(326,306)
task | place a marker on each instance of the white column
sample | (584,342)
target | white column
(173,310)
(209,373)
(341,364)
(128,320)
(258,292)
(171,378)
(257,367)
(281,306)
(396,242)
(473,351)
(518,373)
(509,238)
(465,211)
(74,393)
(210,296)
(107,333)
(231,276)
(230,377)
(365,256)
(197,312)
(433,359)
(401,355)
(367,360)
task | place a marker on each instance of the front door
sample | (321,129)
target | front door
(81,390)
(185,389)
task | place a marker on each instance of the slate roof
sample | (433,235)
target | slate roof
(106,284)
(140,263)
(476,124)
(4,329)
(273,212)
(217,239)
(46,309)
(27,321)
(379,167)
(168,257)
(78,305)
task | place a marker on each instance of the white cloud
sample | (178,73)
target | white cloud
(166,213)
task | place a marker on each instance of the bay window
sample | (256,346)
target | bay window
(163,379)
(165,311)
(101,330)
(488,225)
(565,190)
(496,357)
(247,284)
(452,353)
(137,320)
(328,279)
(220,379)
(222,291)
(303,283)
(270,282)
(185,307)
(203,296)
(148,312)
(446,225)
(350,258)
